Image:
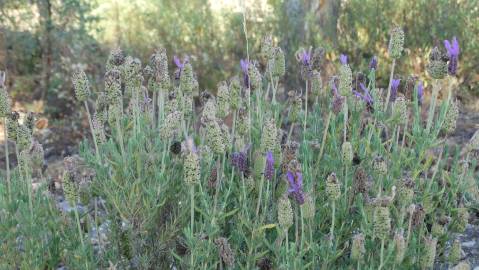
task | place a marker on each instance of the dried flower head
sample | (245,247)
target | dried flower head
(12,125)
(24,137)
(396,42)
(223,97)
(279,64)
(333,190)
(285,213)
(267,46)
(308,208)
(461,219)
(5,102)
(379,165)
(361,182)
(235,93)
(255,79)
(112,84)
(455,253)
(400,109)
(70,188)
(225,252)
(437,65)
(81,85)
(406,191)
(347,152)
(268,138)
(418,214)
(399,246)
(243,122)
(295,108)
(450,120)
(171,125)
(429,252)
(357,248)
(209,111)
(159,62)
(115,59)
(187,79)
(214,137)
(192,171)
(345,80)
(382,222)
(316,83)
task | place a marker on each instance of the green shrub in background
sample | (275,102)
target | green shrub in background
(81,31)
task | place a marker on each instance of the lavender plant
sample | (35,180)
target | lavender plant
(192,180)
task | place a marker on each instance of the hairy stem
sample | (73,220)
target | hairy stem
(7,161)
(391,76)
(92,131)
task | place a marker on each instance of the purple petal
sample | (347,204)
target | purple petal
(269,168)
(177,61)
(448,46)
(455,46)
(290,176)
(343,59)
(373,64)
(420,91)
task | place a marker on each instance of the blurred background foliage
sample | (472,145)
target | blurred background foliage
(41,40)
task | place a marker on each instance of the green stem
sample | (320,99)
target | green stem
(7,161)
(80,234)
(325,134)
(386,102)
(192,216)
(260,194)
(305,109)
(153,109)
(120,138)
(382,255)
(432,105)
(331,231)
(92,131)
(345,127)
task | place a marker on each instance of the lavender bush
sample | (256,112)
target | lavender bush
(334,175)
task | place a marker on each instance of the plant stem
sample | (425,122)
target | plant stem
(331,231)
(260,194)
(7,161)
(386,102)
(432,105)
(192,216)
(153,109)
(305,109)
(345,128)
(92,131)
(120,138)
(382,255)
(325,134)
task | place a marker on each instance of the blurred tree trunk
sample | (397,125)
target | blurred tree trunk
(45,10)
(327,15)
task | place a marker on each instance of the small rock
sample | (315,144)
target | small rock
(469,244)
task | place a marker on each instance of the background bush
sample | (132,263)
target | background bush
(41,39)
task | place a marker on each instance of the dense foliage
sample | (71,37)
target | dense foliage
(337,174)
